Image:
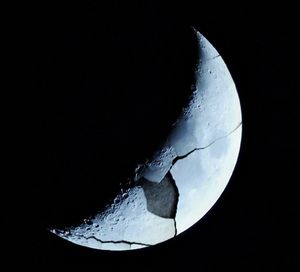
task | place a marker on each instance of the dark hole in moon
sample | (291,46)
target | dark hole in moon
(108,100)
(162,197)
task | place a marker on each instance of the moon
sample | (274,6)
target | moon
(185,176)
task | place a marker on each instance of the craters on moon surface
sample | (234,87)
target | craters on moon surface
(184,178)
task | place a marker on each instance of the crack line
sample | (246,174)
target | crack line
(177,192)
(217,56)
(175,226)
(204,147)
(184,156)
(113,242)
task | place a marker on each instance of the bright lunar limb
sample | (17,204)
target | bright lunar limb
(184,179)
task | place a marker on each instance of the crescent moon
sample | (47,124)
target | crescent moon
(184,179)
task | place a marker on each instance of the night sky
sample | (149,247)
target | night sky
(109,81)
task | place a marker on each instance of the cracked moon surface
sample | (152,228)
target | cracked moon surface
(182,181)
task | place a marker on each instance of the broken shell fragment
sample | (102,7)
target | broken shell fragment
(184,179)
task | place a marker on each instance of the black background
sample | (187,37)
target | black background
(110,78)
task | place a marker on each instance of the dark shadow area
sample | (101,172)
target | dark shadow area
(108,93)
(162,197)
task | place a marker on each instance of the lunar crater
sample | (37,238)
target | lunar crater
(184,178)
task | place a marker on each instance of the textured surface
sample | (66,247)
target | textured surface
(201,178)
(182,181)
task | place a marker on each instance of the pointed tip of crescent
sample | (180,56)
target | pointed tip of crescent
(54,231)
(193,28)
(195,31)
(59,232)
